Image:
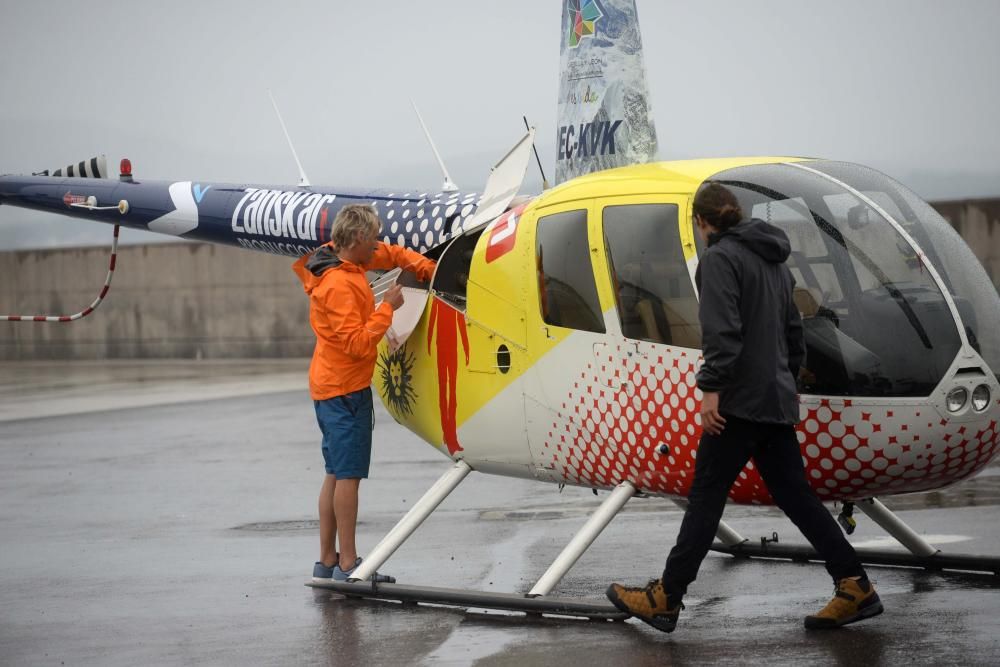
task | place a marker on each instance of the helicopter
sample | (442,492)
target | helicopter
(558,340)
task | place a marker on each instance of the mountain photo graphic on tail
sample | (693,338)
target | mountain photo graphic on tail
(605,118)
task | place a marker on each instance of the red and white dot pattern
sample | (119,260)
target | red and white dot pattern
(863,448)
(851,448)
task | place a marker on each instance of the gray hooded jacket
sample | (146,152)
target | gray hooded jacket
(752,339)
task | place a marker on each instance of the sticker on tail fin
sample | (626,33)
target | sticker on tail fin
(605,115)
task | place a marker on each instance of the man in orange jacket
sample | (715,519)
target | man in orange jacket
(348,328)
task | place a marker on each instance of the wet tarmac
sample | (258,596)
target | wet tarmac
(164,513)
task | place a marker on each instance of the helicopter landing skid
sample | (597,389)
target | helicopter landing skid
(805,554)
(921,553)
(544,605)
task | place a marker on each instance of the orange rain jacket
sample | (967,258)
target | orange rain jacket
(343,315)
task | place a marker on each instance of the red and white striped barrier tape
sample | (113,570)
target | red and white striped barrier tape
(83,313)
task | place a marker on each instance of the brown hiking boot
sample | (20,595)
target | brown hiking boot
(854,600)
(647,603)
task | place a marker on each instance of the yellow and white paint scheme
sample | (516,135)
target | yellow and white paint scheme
(595,405)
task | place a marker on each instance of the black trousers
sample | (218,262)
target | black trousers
(775,451)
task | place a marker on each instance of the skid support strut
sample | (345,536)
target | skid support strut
(543,604)
(597,522)
(412,520)
(724,532)
(893,525)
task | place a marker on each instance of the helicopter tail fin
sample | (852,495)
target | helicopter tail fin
(605,118)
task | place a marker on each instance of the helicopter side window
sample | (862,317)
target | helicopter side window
(566,286)
(656,301)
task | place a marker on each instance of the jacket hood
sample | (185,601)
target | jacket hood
(310,268)
(324,258)
(763,239)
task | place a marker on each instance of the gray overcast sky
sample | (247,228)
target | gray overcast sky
(911,87)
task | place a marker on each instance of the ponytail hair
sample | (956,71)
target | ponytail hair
(717,206)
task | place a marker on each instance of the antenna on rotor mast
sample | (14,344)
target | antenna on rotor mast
(448,185)
(303,180)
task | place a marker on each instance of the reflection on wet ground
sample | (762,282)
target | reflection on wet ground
(923,624)
(189,528)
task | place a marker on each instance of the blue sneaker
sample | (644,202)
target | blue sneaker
(322,572)
(341,575)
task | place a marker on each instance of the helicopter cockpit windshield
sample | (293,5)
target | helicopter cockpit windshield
(875,321)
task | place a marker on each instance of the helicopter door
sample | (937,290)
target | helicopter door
(655,331)
(647,253)
(568,320)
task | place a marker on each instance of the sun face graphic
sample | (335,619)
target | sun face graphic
(397,381)
(584,15)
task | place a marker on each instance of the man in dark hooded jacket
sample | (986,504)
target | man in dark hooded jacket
(752,345)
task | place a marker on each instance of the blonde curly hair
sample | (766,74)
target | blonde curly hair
(354,224)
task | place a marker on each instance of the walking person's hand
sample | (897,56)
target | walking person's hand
(394,297)
(711,421)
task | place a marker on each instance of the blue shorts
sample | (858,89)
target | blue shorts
(346,422)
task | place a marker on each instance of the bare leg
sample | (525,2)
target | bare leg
(345,506)
(327,522)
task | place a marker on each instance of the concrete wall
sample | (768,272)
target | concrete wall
(978,222)
(195,300)
(178,300)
